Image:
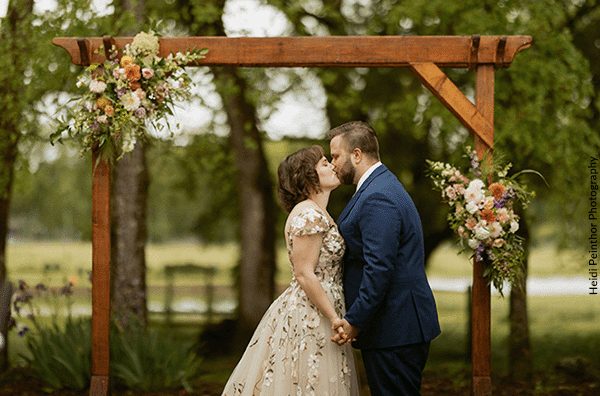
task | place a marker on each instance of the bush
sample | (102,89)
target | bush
(61,355)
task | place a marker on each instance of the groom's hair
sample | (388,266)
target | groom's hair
(298,177)
(358,134)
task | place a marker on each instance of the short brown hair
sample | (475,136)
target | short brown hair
(297,176)
(358,134)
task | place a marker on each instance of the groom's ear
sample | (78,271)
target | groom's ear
(356,156)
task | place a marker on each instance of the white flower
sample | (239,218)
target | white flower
(476,184)
(130,101)
(481,233)
(118,72)
(514,226)
(145,43)
(473,243)
(103,119)
(474,194)
(313,321)
(495,229)
(313,376)
(268,378)
(97,86)
(313,361)
(472,207)
(147,73)
(129,141)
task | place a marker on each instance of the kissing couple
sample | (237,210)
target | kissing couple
(360,282)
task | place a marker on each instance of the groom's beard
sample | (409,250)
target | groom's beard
(346,173)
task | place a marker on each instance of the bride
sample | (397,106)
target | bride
(290,352)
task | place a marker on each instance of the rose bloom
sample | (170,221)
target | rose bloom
(481,233)
(103,119)
(147,73)
(472,207)
(488,215)
(473,194)
(133,72)
(451,193)
(109,110)
(118,72)
(134,86)
(488,203)
(140,93)
(503,215)
(497,189)
(460,189)
(471,223)
(495,229)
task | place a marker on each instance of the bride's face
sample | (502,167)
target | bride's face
(327,176)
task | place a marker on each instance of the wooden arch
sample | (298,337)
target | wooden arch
(424,55)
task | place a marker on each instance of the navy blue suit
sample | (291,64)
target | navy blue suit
(387,293)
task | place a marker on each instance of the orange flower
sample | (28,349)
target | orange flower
(109,110)
(135,85)
(497,189)
(488,215)
(102,102)
(133,73)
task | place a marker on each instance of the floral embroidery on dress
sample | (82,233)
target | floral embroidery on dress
(290,352)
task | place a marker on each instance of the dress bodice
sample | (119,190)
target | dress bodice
(311,221)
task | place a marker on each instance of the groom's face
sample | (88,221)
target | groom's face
(340,158)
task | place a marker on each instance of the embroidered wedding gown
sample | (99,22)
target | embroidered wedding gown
(291,352)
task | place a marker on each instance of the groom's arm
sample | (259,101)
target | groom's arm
(380,223)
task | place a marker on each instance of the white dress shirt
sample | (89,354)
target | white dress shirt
(367,174)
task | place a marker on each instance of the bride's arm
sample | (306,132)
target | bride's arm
(305,254)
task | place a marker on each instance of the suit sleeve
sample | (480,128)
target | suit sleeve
(380,225)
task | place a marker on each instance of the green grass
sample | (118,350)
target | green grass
(560,326)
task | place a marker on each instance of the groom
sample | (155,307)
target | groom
(391,309)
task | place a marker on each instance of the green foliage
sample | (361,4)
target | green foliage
(61,356)
(151,359)
(60,353)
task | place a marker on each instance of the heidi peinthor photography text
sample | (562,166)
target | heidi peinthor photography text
(593,218)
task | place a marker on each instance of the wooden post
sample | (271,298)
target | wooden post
(481,383)
(101,174)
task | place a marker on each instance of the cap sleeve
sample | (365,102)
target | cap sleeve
(309,222)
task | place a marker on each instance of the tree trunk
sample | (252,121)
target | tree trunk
(128,224)
(257,211)
(14,42)
(254,186)
(520,362)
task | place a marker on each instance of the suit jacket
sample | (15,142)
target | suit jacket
(387,293)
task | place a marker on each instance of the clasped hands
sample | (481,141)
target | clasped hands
(343,332)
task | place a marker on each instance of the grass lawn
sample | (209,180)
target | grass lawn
(560,326)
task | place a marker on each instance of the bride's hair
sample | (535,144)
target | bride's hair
(298,178)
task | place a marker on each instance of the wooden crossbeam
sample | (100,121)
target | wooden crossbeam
(454,100)
(338,51)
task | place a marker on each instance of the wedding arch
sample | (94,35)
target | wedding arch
(423,55)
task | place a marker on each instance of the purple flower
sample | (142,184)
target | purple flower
(23,330)
(140,113)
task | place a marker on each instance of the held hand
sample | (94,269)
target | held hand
(344,332)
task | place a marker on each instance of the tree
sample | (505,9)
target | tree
(257,210)
(29,84)
(14,27)
(129,207)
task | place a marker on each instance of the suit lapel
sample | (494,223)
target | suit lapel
(382,168)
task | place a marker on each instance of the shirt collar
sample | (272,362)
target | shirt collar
(367,174)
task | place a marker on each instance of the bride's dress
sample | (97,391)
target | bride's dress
(291,352)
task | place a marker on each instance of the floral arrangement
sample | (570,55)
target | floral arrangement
(482,214)
(123,94)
